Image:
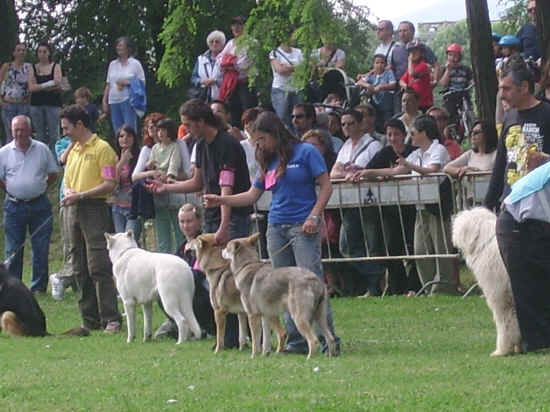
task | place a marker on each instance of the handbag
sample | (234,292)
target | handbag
(200,93)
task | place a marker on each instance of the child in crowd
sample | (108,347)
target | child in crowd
(379,84)
(165,155)
(83,97)
(418,76)
(456,77)
(65,276)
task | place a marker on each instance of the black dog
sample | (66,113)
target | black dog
(20,314)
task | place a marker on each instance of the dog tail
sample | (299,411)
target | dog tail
(11,324)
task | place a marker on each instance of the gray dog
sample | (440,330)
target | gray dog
(268,292)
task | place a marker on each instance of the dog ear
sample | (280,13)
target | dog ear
(194,244)
(108,238)
(253,239)
(130,234)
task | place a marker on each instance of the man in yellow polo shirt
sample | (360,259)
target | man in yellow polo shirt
(89,179)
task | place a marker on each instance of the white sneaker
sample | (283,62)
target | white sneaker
(58,288)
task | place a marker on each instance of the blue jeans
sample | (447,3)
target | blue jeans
(167,230)
(358,227)
(18,216)
(123,223)
(304,252)
(122,113)
(45,121)
(283,102)
(9,111)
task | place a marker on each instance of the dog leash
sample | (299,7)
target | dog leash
(287,244)
(8,260)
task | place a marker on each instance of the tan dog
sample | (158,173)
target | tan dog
(224,295)
(267,292)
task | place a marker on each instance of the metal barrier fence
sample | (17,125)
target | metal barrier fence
(391,202)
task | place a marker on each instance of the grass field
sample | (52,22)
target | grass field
(398,353)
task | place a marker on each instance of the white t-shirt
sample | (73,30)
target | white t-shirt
(383,50)
(250,152)
(338,55)
(361,154)
(436,154)
(116,72)
(293,58)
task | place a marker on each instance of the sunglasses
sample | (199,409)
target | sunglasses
(531,10)
(344,124)
(298,116)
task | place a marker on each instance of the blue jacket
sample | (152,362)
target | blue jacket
(138,97)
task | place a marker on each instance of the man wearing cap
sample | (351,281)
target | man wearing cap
(242,97)
(27,168)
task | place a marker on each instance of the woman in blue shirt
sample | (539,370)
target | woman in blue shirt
(291,170)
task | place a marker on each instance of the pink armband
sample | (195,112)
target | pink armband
(108,172)
(227,178)
(196,265)
(270,179)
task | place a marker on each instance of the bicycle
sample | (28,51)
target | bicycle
(465,117)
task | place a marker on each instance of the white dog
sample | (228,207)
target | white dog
(474,234)
(142,277)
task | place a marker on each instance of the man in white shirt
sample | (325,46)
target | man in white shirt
(27,168)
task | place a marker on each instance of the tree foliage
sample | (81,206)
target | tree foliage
(308,22)
(184,33)
(456,33)
(514,17)
(8,29)
(82,33)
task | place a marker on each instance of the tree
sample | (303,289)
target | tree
(307,21)
(482,58)
(543,27)
(184,32)
(8,29)
(455,33)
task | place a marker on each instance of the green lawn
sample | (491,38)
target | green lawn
(398,353)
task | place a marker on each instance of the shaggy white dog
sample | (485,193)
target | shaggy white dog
(474,234)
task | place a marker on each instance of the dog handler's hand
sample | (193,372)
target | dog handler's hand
(222,235)
(311,225)
(211,200)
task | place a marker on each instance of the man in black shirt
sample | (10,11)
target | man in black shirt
(523,238)
(220,169)
(526,130)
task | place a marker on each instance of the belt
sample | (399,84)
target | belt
(16,200)
(10,100)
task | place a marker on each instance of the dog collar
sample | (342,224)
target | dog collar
(126,250)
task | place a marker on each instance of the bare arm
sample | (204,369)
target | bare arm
(325,191)
(57,76)
(433,168)
(33,86)
(284,69)
(313,221)
(3,73)
(65,154)
(192,185)
(337,171)
(105,101)
(222,234)
(239,200)
(104,188)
